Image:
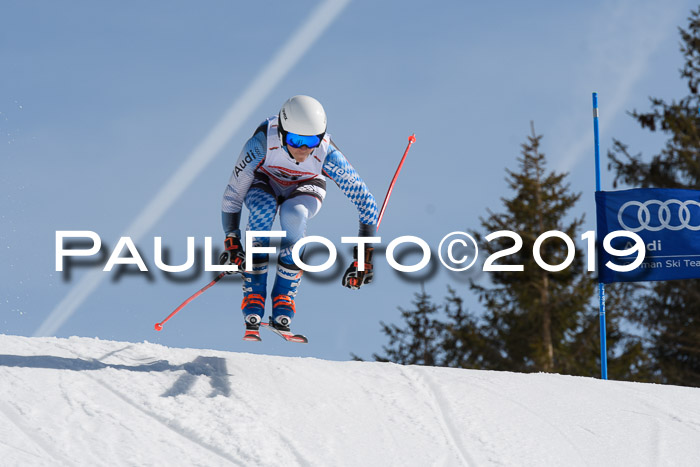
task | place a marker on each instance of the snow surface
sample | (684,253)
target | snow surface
(82,401)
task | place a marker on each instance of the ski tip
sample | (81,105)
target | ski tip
(252,335)
(288,336)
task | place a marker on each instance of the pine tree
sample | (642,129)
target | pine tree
(670,311)
(419,343)
(463,340)
(538,320)
(534,320)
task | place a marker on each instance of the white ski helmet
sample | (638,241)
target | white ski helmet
(302,115)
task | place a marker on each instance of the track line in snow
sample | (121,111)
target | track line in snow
(537,415)
(441,410)
(656,444)
(180,431)
(300,458)
(31,435)
(379,407)
(690,416)
(114,352)
(4,446)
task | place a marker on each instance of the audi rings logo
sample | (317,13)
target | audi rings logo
(672,214)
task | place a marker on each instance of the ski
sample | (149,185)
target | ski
(287,335)
(252,335)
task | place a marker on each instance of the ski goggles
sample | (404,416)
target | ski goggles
(296,141)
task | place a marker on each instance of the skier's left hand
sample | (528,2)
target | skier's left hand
(353,277)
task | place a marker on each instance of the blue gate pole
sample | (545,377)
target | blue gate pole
(601,286)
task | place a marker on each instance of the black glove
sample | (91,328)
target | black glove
(233,253)
(353,277)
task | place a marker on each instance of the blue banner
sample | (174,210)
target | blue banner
(668,220)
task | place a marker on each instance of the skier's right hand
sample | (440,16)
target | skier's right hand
(233,253)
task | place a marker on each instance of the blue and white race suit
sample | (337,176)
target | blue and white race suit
(267,178)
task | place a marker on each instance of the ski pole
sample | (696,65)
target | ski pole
(159,326)
(411,140)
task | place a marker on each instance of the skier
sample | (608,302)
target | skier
(282,166)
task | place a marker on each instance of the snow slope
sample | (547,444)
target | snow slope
(92,402)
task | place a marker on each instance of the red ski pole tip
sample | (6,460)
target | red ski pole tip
(412,138)
(159,327)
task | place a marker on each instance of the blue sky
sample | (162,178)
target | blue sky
(102,104)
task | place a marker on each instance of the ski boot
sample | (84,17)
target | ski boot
(283,305)
(283,292)
(253,305)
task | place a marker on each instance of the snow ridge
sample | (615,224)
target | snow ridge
(91,402)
